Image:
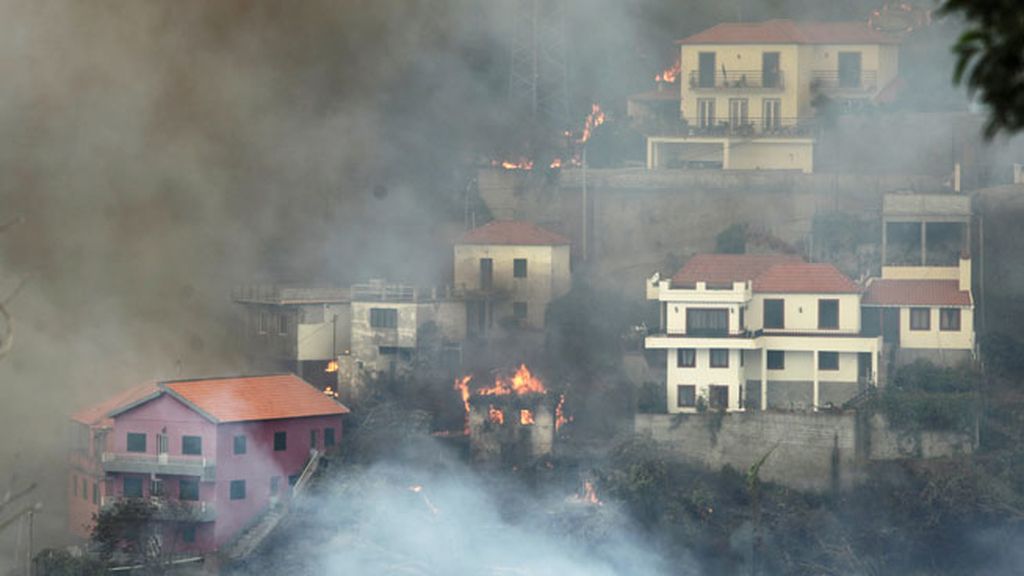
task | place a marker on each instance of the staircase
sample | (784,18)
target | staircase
(250,538)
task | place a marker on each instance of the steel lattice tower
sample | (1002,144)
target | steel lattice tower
(538,75)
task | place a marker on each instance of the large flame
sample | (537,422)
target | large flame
(520,383)
(593,120)
(462,385)
(560,418)
(495,415)
(332,367)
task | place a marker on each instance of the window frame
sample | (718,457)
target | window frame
(136,436)
(944,325)
(780,355)
(188,489)
(927,315)
(520,310)
(822,302)
(384,318)
(187,449)
(711,357)
(781,313)
(691,391)
(133,479)
(519,268)
(714,389)
(712,332)
(239,444)
(281,441)
(236,490)
(314,439)
(188,534)
(822,354)
(486,273)
(679,358)
(329,438)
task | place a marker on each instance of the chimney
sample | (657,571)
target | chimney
(965,271)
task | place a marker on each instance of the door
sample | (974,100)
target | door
(772,113)
(706,70)
(849,69)
(738,112)
(718,397)
(770,69)
(486,273)
(891,326)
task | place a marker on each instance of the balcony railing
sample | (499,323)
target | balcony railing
(171,509)
(736,80)
(160,464)
(831,81)
(750,127)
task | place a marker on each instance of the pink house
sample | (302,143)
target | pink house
(213,454)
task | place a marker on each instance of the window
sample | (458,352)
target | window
(686,358)
(240,446)
(849,70)
(828,314)
(706,70)
(280,441)
(238,489)
(383,318)
(85,489)
(314,439)
(188,534)
(328,437)
(771,114)
(132,487)
(706,112)
(486,273)
(95,493)
(718,397)
(262,319)
(136,442)
(192,445)
(828,360)
(770,70)
(707,321)
(949,319)
(686,395)
(156,487)
(282,324)
(775,313)
(920,319)
(188,489)
(776,360)
(719,358)
(519,268)
(161,443)
(519,310)
(275,484)
(293,479)
(74,484)
(738,112)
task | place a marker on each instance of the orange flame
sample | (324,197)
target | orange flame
(495,415)
(593,120)
(560,417)
(522,382)
(589,495)
(556,163)
(671,74)
(525,418)
(521,164)
(332,367)
(462,385)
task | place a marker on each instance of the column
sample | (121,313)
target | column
(650,154)
(764,379)
(725,155)
(874,365)
(815,395)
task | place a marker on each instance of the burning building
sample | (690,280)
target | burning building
(512,421)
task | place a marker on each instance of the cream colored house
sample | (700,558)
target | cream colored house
(923,312)
(761,332)
(509,271)
(748,91)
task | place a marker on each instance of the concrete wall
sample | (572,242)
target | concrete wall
(810,451)
(775,154)
(934,337)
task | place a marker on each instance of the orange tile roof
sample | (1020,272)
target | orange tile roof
(806,278)
(248,398)
(98,414)
(775,273)
(888,292)
(513,232)
(717,268)
(790,32)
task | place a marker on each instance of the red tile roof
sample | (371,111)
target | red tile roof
(806,278)
(882,292)
(98,414)
(249,398)
(790,32)
(775,273)
(513,232)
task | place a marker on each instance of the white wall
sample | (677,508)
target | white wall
(791,154)
(934,338)
(801,312)
(703,375)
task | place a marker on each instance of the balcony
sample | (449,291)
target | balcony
(750,127)
(832,82)
(160,464)
(738,80)
(170,509)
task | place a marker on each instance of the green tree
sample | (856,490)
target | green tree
(990,58)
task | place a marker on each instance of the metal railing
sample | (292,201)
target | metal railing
(274,294)
(737,80)
(750,127)
(833,81)
(171,509)
(159,464)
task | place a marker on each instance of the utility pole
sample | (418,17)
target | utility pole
(585,211)
(538,74)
